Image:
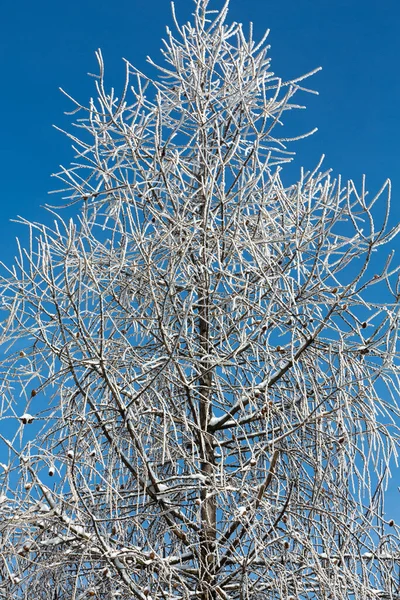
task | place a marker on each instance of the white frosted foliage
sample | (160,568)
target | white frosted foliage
(210,371)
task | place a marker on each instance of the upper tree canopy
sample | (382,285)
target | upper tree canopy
(203,384)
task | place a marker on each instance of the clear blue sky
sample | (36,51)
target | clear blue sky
(46,44)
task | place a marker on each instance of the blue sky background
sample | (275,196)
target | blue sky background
(46,44)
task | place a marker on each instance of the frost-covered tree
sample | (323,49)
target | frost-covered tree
(199,372)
